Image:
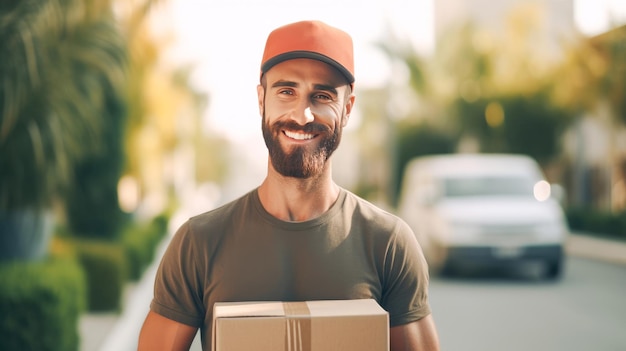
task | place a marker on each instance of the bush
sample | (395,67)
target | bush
(414,140)
(161,223)
(105,268)
(597,222)
(40,305)
(140,241)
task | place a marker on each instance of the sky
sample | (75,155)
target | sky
(224,40)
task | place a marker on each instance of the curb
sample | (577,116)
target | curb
(592,247)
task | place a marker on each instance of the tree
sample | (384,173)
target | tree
(50,97)
(62,61)
(591,83)
(492,87)
(593,71)
(416,140)
(523,124)
(64,97)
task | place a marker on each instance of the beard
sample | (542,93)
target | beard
(300,161)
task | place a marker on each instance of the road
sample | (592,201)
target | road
(585,310)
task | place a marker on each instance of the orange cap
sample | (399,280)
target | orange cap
(310,39)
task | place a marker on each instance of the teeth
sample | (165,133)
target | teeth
(298,136)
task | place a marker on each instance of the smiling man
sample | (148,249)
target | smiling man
(298,236)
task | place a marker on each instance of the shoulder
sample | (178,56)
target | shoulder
(375,216)
(205,229)
(369,211)
(223,214)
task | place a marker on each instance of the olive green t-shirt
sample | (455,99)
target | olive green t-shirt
(239,252)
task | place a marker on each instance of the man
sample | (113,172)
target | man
(298,236)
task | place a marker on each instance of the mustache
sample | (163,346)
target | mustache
(310,128)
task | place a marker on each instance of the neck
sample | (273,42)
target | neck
(297,200)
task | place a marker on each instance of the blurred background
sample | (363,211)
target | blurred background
(120,119)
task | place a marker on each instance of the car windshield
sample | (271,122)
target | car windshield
(481,186)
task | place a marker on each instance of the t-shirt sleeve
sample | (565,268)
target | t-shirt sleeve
(177,287)
(405,291)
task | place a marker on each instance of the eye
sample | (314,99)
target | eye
(322,97)
(286,92)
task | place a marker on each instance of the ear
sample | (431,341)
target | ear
(348,109)
(260,92)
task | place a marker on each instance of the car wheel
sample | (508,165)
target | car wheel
(554,270)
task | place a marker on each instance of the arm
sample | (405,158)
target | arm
(160,333)
(420,335)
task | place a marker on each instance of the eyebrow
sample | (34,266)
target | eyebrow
(323,87)
(284,83)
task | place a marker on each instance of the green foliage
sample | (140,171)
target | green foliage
(92,205)
(106,273)
(415,140)
(91,201)
(140,241)
(59,59)
(461,55)
(40,305)
(366,190)
(612,46)
(531,125)
(595,221)
(161,223)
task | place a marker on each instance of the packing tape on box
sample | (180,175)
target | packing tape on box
(298,326)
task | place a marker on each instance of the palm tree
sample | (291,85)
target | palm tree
(62,61)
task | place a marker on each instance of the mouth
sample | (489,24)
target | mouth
(298,136)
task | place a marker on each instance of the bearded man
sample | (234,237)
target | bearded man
(298,236)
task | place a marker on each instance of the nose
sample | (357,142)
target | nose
(303,115)
(308,115)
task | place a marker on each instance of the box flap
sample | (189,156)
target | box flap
(361,307)
(248,309)
(318,308)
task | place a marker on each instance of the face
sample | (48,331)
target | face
(305,104)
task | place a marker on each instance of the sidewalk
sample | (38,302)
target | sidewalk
(119,332)
(587,246)
(110,330)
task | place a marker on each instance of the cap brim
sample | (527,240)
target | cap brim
(310,55)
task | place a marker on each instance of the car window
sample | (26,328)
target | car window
(481,186)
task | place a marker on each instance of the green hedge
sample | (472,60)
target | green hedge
(105,268)
(110,264)
(140,241)
(598,222)
(40,305)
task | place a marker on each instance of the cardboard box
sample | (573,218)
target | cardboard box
(327,325)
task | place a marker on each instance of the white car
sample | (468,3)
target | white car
(485,209)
